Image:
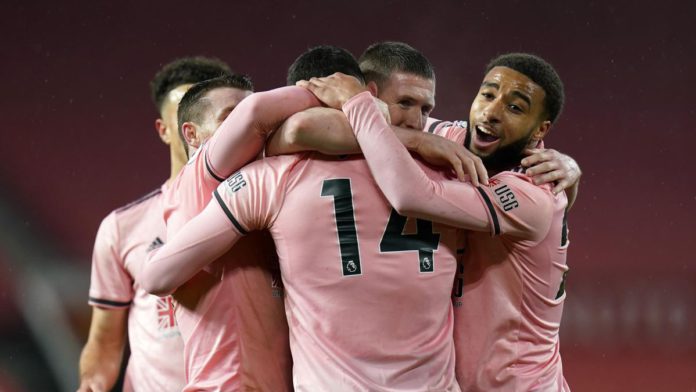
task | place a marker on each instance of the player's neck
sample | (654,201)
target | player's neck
(177,163)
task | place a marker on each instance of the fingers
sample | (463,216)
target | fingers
(475,168)
(538,155)
(322,91)
(458,168)
(548,177)
(471,169)
(481,170)
(541,168)
(560,187)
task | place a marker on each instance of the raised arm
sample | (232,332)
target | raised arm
(316,129)
(201,241)
(243,134)
(405,185)
(328,131)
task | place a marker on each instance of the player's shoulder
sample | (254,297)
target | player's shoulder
(134,211)
(513,188)
(432,125)
(523,209)
(141,201)
(517,178)
(269,171)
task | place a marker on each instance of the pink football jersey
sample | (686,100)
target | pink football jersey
(367,290)
(509,295)
(452,130)
(509,305)
(231,314)
(124,239)
(365,322)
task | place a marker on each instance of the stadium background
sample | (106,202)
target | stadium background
(78,140)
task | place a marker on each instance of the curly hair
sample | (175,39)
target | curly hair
(541,73)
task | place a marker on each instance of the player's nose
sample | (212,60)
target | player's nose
(414,120)
(492,111)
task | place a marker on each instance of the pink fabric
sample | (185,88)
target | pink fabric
(231,313)
(507,298)
(124,239)
(388,327)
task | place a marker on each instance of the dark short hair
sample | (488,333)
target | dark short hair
(321,61)
(184,71)
(192,106)
(381,59)
(541,73)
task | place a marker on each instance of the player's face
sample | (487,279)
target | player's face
(221,102)
(410,99)
(169,108)
(508,110)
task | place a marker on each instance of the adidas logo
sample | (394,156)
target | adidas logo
(156,243)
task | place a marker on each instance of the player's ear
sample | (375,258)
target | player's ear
(161,128)
(541,132)
(372,86)
(191,135)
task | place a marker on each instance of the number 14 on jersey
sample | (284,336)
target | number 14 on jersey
(424,241)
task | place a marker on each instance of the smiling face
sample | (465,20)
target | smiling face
(507,114)
(410,99)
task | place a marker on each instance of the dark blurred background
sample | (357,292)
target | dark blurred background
(78,140)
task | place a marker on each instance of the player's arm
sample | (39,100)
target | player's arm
(405,185)
(201,241)
(328,131)
(325,130)
(110,294)
(242,135)
(321,129)
(101,357)
(548,165)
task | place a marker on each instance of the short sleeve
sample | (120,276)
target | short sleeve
(111,285)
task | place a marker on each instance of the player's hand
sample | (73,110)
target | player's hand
(91,385)
(439,151)
(547,165)
(334,90)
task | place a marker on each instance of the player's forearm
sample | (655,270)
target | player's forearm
(201,241)
(407,188)
(327,131)
(100,360)
(409,138)
(243,134)
(317,129)
(99,366)
(384,152)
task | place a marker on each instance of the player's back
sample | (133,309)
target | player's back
(367,290)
